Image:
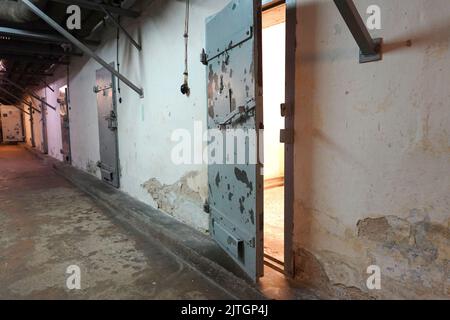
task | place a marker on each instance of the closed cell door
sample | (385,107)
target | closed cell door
(65,124)
(107,124)
(235,181)
(11,124)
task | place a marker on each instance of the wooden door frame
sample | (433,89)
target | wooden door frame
(291,44)
(291,27)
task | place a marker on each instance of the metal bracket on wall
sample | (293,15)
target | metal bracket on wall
(81,46)
(370,49)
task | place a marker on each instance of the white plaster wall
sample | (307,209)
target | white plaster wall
(274,86)
(372,141)
(146,125)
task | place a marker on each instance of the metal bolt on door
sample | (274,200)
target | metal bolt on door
(235,201)
(107,124)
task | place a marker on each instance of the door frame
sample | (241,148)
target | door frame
(290,64)
(291,44)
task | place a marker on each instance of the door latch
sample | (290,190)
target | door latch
(112,121)
(241,112)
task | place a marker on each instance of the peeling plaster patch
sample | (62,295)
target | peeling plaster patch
(91,167)
(310,271)
(413,254)
(183,199)
(386,229)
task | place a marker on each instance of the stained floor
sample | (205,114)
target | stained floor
(47,225)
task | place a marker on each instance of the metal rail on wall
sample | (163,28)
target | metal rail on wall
(370,49)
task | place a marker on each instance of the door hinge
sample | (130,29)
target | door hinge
(98,88)
(287,136)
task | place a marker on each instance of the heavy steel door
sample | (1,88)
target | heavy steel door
(235,202)
(107,124)
(65,126)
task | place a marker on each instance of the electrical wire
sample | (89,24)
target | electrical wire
(117,59)
(185,88)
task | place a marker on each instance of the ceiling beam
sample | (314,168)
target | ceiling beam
(99,7)
(17,47)
(37,36)
(31,58)
(28,73)
(82,47)
(25,34)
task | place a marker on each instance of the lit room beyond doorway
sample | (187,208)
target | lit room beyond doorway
(273,38)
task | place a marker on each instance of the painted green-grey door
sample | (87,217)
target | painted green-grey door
(107,125)
(234,79)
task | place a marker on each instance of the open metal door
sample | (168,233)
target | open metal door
(235,201)
(107,125)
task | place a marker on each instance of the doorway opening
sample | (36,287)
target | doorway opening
(274,57)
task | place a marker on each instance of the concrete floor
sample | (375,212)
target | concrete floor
(46,225)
